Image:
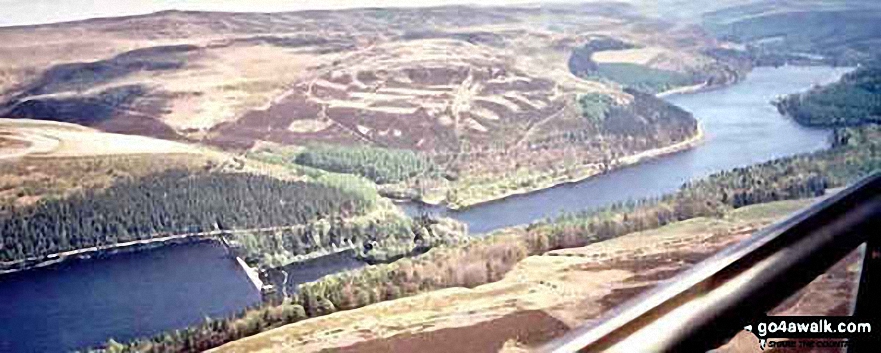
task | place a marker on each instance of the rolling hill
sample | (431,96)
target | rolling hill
(489,93)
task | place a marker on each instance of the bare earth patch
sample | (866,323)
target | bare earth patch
(309,125)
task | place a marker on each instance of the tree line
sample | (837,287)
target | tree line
(171,202)
(381,165)
(855,153)
(853,100)
(374,239)
(618,130)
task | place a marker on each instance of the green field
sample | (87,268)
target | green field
(641,77)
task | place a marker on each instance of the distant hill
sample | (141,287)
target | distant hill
(439,76)
(490,93)
(843,32)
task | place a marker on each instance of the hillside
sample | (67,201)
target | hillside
(46,159)
(707,205)
(545,295)
(53,139)
(853,100)
(839,32)
(489,94)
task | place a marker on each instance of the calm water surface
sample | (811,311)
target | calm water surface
(79,304)
(83,303)
(741,128)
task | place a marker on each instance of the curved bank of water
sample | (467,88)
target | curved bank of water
(741,128)
(83,303)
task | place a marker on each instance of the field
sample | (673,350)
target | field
(551,292)
(642,77)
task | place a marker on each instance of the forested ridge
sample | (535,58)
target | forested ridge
(172,202)
(644,78)
(853,100)
(855,153)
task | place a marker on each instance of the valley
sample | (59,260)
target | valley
(491,99)
(393,178)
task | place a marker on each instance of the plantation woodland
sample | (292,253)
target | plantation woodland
(855,152)
(854,100)
(173,202)
(381,165)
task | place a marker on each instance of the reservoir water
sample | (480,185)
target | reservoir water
(83,303)
(741,127)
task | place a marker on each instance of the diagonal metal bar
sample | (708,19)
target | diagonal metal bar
(704,307)
(867,305)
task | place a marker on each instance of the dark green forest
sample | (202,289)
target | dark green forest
(595,106)
(855,153)
(648,122)
(853,100)
(644,78)
(168,203)
(381,165)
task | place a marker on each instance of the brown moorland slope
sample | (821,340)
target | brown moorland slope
(551,293)
(191,71)
(486,75)
(483,91)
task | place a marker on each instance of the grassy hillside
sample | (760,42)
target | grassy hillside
(570,285)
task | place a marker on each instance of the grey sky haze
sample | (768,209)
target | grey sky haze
(26,12)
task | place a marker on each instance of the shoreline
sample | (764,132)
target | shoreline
(623,162)
(35,262)
(641,156)
(129,246)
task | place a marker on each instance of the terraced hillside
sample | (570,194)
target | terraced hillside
(487,93)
